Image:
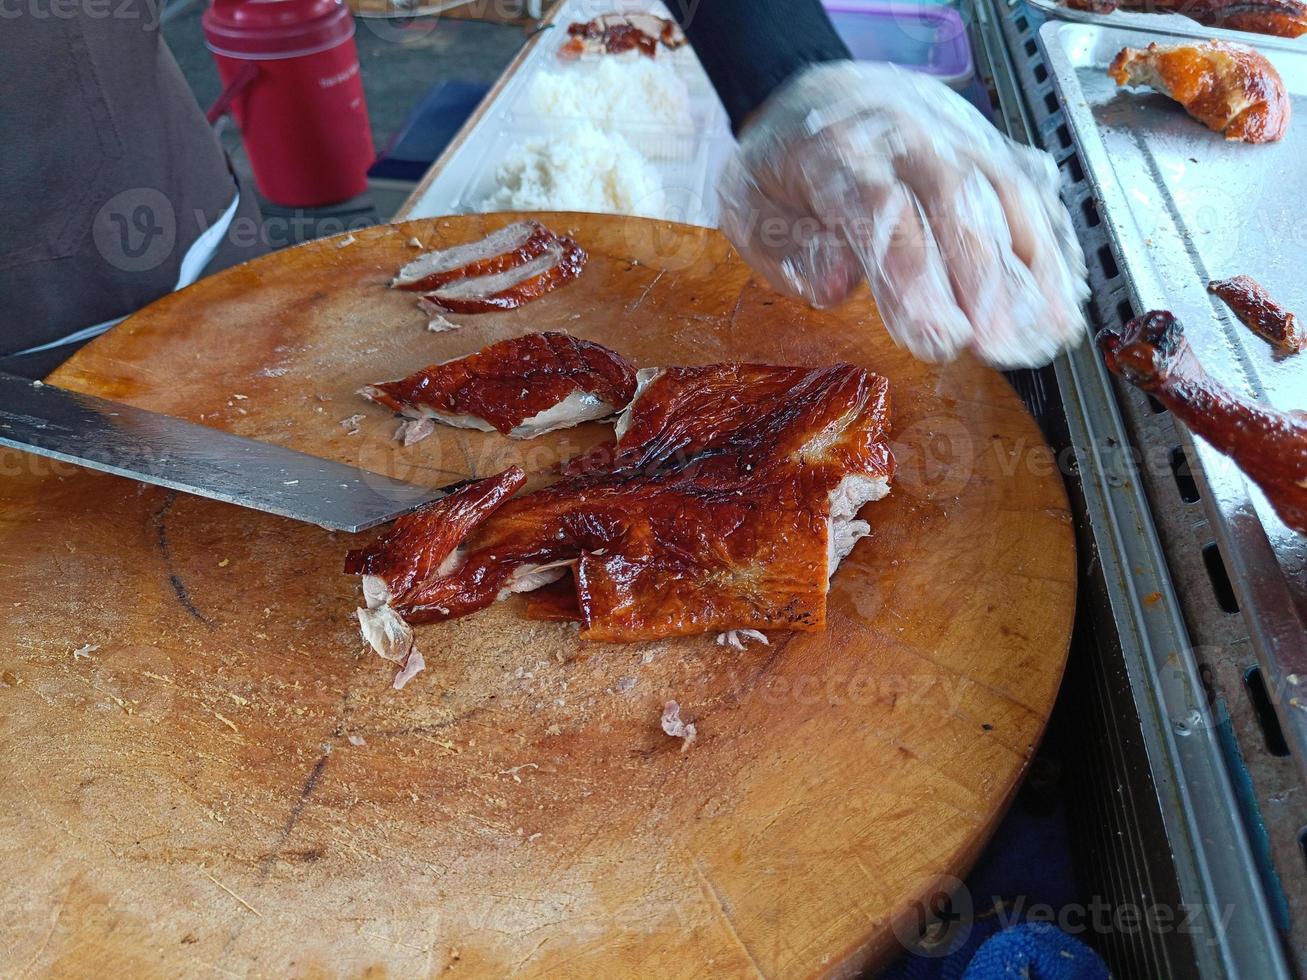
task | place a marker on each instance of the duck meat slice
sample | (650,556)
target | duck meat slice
(1261,314)
(1151,352)
(559,263)
(732,497)
(507,248)
(522,387)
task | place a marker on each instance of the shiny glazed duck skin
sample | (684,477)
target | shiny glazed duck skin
(558,263)
(1151,352)
(1259,312)
(1229,88)
(504,249)
(705,521)
(521,387)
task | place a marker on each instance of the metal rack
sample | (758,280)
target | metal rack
(1186,795)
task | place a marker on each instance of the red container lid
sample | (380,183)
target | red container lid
(265,29)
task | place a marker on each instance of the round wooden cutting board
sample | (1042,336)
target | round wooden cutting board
(205,773)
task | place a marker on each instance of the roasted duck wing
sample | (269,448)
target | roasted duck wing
(730,497)
(1229,88)
(1261,314)
(1151,352)
(522,387)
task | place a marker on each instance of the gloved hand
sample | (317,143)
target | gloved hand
(856,171)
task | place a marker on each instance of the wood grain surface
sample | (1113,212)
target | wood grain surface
(225,784)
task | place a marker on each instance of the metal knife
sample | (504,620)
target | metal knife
(171,452)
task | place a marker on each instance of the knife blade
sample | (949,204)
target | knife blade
(171,452)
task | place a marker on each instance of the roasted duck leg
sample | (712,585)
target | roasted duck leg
(1229,88)
(1151,352)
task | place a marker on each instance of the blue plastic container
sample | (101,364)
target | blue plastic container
(926,37)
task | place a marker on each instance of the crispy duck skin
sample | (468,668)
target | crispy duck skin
(413,550)
(504,249)
(1279,18)
(1151,352)
(1253,305)
(522,386)
(732,520)
(1231,89)
(559,262)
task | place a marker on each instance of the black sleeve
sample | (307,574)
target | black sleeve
(749,47)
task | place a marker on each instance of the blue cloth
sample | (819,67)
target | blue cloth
(1035,951)
(1025,873)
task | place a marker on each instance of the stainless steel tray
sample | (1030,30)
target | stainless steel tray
(1126,19)
(1182,207)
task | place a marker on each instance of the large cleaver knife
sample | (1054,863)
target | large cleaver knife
(170,452)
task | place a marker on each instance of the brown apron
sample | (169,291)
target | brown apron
(108,172)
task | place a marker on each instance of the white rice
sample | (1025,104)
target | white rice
(581,169)
(627,89)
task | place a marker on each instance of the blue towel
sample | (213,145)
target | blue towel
(1027,864)
(1035,951)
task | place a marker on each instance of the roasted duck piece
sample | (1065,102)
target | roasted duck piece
(417,548)
(1151,352)
(507,248)
(1281,18)
(558,263)
(522,387)
(618,33)
(1229,88)
(731,497)
(1253,305)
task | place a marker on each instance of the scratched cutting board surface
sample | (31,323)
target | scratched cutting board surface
(225,783)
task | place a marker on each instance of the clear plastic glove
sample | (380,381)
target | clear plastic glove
(856,171)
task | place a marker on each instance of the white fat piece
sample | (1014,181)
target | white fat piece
(419,412)
(528,578)
(506,239)
(739,639)
(415,663)
(675,726)
(578,407)
(413,431)
(643,378)
(843,529)
(438,324)
(383,629)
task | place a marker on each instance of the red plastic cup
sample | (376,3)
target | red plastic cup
(290,73)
